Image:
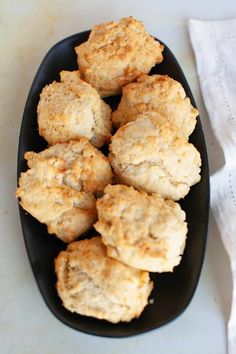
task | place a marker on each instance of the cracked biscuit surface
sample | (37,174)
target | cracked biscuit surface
(154,158)
(60,186)
(116,53)
(157,93)
(72,108)
(92,284)
(141,230)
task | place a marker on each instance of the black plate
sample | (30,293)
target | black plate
(173,291)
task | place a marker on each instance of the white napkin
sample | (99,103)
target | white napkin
(214,44)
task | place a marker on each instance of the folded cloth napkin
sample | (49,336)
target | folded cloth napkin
(214,45)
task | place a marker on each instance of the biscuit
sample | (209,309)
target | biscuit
(154,158)
(92,284)
(72,108)
(60,186)
(158,93)
(143,231)
(116,53)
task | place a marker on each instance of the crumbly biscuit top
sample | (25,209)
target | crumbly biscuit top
(72,108)
(91,283)
(153,157)
(144,231)
(58,188)
(157,93)
(116,53)
(84,167)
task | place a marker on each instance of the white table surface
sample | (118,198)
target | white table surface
(27,30)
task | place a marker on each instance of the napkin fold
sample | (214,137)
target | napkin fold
(214,45)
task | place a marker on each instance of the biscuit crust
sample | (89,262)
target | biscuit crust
(60,186)
(116,53)
(157,93)
(141,230)
(92,284)
(154,158)
(72,108)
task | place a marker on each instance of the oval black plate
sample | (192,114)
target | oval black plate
(173,291)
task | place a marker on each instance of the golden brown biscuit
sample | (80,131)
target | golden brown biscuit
(72,108)
(116,53)
(157,93)
(92,284)
(59,187)
(154,158)
(143,231)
